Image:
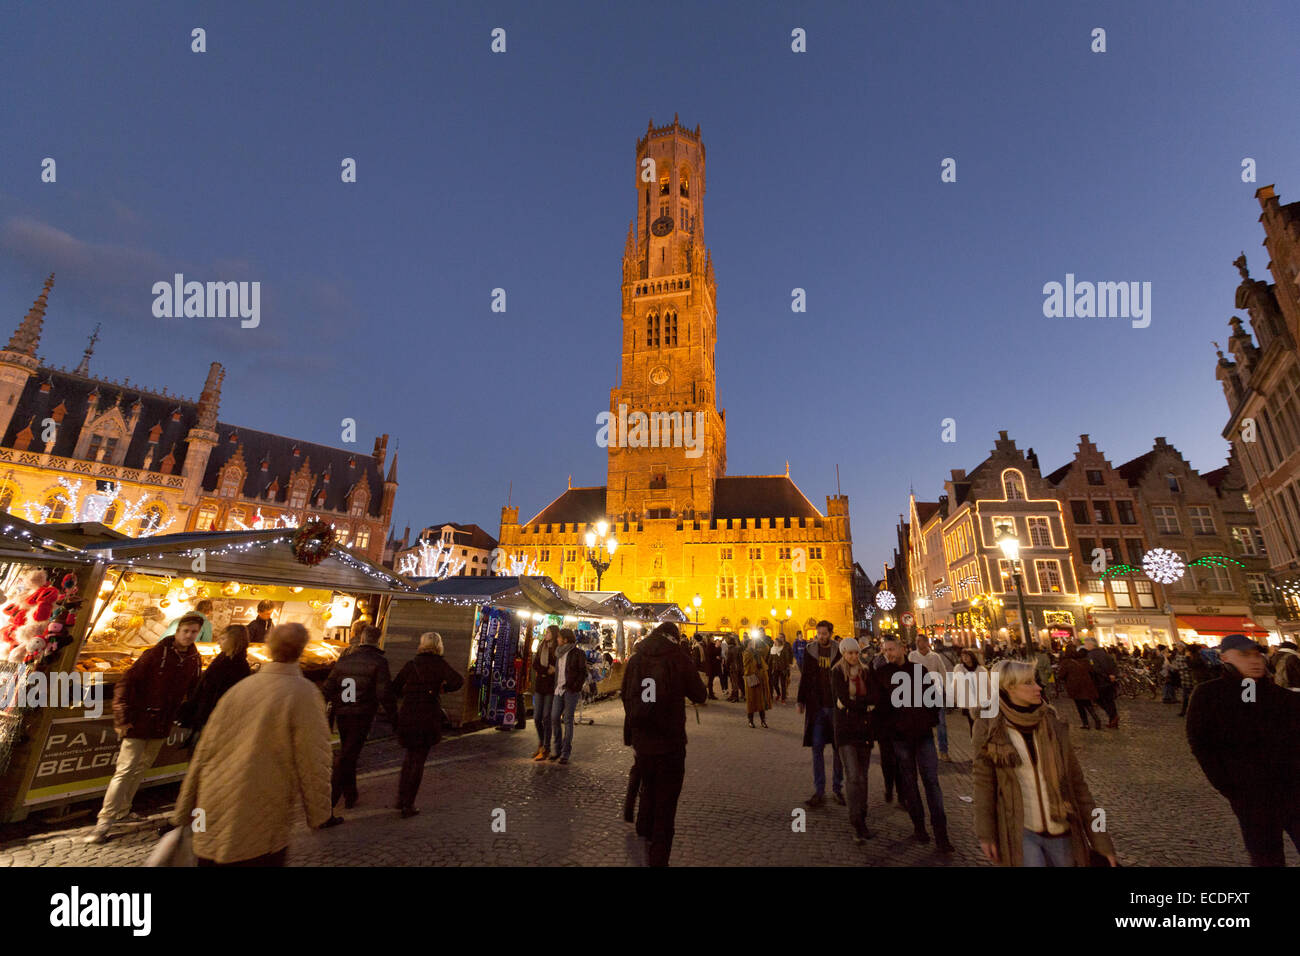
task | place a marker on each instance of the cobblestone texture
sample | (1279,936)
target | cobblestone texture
(741,786)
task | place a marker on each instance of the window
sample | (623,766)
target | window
(57,506)
(1173,483)
(1245,543)
(1013,486)
(358,505)
(298,498)
(235,519)
(756,554)
(1202,520)
(815,553)
(1113,554)
(670,328)
(151,520)
(1259,593)
(726,585)
(1086,547)
(658,480)
(230,484)
(1006,575)
(571,554)
(1135,551)
(1145,593)
(1101,511)
(757,584)
(1166,519)
(816,585)
(659,513)
(1079,511)
(1097,586)
(1258,535)
(785,585)
(1094,477)
(724,554)
(571,582)
(544,555)
(7,497)
(684,183)
(108,519)
(1216,578)
(207,518)
(94,448)
(1125,510)
(1049,576)
(663,185)
(362,540)
(652,330)
(1040,533)
(783,554)
(110,449)
(1119,588)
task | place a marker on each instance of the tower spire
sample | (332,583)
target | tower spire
(392,469)
(83,367)
(28,335)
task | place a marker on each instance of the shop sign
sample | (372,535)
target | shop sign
(79,757)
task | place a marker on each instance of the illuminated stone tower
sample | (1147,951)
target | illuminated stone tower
(669,336)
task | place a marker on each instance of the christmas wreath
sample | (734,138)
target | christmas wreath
(312,542)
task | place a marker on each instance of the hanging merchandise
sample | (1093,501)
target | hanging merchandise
(497,667)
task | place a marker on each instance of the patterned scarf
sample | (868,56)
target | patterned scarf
(853,676)
(1002,753)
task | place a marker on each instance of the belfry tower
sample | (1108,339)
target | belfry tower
(669,337)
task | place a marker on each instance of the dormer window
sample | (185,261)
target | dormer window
(298,497)
(358,507)
(230,483)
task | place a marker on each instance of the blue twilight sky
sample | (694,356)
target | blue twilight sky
(479,171)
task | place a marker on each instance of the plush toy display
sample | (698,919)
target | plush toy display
(35,607)
(31,645)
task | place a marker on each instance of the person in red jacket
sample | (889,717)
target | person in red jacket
(145,703)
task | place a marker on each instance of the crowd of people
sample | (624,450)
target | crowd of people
(260,737)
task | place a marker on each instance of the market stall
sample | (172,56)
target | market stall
(139,587)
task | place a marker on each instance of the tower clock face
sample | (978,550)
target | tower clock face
(659,374)
(662,226)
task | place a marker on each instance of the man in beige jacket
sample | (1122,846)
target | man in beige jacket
(264,751)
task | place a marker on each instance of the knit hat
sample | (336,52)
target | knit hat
(849,644)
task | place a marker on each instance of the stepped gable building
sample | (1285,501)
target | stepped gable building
(1196,516)
(467,548)
(1261,383)
(927,568)
(684,527)
(1006,489)
(76,447)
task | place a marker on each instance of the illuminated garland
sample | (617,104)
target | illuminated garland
(1117,569)
(1214,561)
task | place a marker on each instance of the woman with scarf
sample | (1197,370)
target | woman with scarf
(226,670)
(1032,804)
(855,698)
(418,688)
(969,664)
(757,696)
(736,665)
(544,690)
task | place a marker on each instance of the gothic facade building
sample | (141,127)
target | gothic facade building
(745,544)
(78,448)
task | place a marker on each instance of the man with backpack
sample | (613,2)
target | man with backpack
(658,680)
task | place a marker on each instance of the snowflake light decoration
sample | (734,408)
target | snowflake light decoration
(1163,566)
(885,600)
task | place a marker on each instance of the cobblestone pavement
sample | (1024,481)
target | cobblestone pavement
(741,786)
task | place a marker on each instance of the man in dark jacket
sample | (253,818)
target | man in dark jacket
(909,710)
(1105,673)
(658,680)
(816,701)
(1244,731)
(571,674)
(714,651)
(261,625)
(145,702)
(356,688)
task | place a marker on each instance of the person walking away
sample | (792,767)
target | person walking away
(543,668)
(1043,666)
(261,625)
(1285,666)
(724,665)
(968,670)
(570,675)
(782,658)
(1170,674)
(757,699)
(736,665)
(1076,674)
(933,661)
(418,689)
(224,671)
(700,654)
(1105,674)
(1243,729)
(714,651)
(1032,803)
(799,647)
(910,728)
(856,696)
(145,703)
(357,686)
(1178,666)
(265,751)
(880,729)
(658,681)
(816,701)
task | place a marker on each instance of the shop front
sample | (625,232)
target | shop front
(138,589)
(1133,630)
(1212,628)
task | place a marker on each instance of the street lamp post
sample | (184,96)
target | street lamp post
(697,601)
(1010,545)
(598,541)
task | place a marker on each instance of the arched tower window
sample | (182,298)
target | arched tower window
(1013,485)
(684,182)
(653,330)
(664,189)
(670,327)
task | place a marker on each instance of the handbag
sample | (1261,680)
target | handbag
(176,848)
(751,680)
